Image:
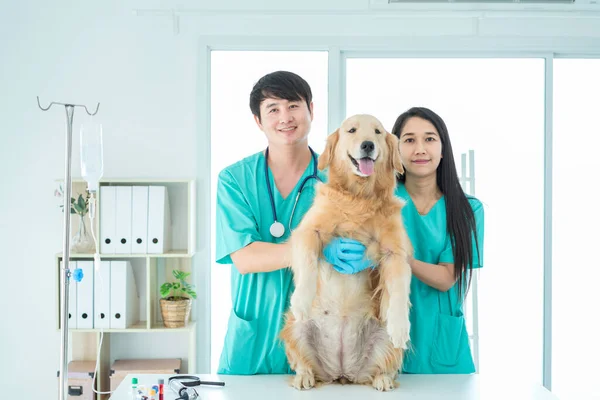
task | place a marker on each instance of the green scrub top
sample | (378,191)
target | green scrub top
(259,300)
(438,333)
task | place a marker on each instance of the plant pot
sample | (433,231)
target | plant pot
(175,313)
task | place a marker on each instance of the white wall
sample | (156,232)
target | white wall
(145,82)
(150,83)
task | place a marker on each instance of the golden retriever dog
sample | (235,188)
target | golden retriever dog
(351,327)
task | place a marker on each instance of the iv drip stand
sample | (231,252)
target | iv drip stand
(65,271)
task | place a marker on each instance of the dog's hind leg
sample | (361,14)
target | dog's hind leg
(298,337)
(387,361)
(381,360)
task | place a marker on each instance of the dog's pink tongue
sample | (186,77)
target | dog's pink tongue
(365,165)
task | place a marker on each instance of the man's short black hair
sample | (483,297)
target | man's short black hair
(279,85)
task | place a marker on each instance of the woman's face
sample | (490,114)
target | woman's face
(420,147)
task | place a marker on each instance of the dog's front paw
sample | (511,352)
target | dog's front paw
(304,380)
(399,332)
(300,307)
(383,383)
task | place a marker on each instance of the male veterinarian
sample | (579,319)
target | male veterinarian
(255,204)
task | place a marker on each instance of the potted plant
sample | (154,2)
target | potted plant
(175,304)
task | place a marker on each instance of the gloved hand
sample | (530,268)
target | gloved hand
(347,256)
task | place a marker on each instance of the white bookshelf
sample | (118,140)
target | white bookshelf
(150,271)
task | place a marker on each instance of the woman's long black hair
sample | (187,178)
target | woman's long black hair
(460,220)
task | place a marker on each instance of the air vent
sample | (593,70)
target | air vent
(484,1)
(487,5)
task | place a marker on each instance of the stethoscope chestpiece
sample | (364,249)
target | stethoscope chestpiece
(277,229)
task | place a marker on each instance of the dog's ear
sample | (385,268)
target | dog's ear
(395,161)
(327,156)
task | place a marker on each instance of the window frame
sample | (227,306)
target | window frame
(339,50)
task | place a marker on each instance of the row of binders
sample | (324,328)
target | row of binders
(134,220)
(108,299)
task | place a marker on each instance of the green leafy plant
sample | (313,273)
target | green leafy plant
(80,206)
(178,290)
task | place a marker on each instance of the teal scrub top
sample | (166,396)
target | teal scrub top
(439,341)
(259,300)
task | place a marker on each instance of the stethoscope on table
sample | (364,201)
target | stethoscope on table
(183,385)
(277,229)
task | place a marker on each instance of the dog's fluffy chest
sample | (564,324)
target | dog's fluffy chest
(361,218)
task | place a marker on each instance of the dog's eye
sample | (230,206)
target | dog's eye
(352,130)
(377,131)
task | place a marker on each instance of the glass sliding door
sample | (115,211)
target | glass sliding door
(576,219)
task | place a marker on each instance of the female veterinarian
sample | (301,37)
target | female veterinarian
(446,229)
(258,200)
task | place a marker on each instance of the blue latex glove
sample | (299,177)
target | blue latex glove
(346,255)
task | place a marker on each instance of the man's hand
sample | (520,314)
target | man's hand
(347,256)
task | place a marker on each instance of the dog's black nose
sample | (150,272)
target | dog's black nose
(367,146)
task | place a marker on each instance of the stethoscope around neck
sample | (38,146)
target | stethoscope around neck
(277,229)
